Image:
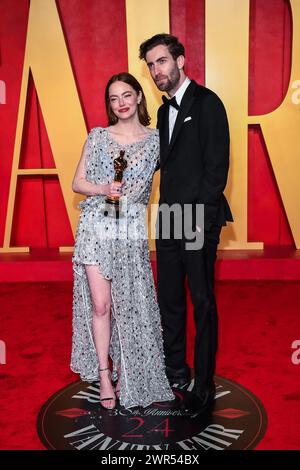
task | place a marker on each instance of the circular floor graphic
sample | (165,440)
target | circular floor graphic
(73,419)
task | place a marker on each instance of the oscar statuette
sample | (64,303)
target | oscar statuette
(112,206)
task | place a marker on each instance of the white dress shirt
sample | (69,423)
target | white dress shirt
(173,111)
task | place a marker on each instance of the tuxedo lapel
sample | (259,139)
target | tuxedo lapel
(182,114)
(185,106)
(163,124)
(164,132)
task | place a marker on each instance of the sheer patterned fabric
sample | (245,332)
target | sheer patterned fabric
(119,247)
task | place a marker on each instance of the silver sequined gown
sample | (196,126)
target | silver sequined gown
(121,252)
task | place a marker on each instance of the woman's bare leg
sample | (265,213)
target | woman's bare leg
(118,386)
(101,300)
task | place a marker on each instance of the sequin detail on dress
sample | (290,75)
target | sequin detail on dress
(136,339)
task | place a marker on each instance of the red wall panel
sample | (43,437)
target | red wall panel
(187,21)
(13,26)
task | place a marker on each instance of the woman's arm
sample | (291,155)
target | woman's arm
(80,183)
(82,186)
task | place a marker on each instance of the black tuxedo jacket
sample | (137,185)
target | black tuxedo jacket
(194,165)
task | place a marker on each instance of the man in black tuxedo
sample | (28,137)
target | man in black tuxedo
(194,160)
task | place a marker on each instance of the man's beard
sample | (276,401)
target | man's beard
(171,81)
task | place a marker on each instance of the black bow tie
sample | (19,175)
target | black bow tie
(171,102)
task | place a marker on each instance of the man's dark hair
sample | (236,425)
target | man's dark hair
(175,47)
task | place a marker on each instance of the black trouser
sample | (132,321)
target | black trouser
(174,263)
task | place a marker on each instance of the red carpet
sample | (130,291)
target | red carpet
(259,320)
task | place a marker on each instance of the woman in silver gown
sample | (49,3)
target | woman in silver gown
(115,312)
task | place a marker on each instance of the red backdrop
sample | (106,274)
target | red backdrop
(40,218)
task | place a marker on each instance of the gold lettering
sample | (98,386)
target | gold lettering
(227,45)
(47,57)
(227,42)
(280,129)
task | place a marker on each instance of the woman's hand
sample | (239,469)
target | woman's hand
(113,189)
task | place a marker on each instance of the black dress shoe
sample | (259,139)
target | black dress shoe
(180,377)
(179,382)
(196,403)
